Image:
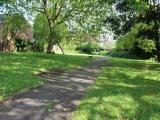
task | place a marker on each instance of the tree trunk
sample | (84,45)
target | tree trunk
(18,49)
(157,38)
(50,38)
(1,46)
(158,47)
(49,48)
(158,53)
(50,45)
(158,58)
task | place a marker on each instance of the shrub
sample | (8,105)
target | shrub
(20,44)
(142,47)
(88,48)
(121,54)
(147,45)
(38,46)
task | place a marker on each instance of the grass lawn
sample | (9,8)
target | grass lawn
(17,70)
(125,90)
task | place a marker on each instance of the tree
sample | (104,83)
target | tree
(141,46)
(141,11)
(55,12)
(41,30)
(151,17)
(122,16)
(40,27)
(14,23)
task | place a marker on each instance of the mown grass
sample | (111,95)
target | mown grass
(17,70)
(125,90)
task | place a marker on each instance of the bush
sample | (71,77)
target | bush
(38,46)
(20,44)
(101,52)
(142,47)
(88,48)
(121,54)
(147,45)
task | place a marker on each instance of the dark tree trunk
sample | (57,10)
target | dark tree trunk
(50,39)
(1,46)
(158,51)
(158,48)
(18,49)
(50,46)
(158,57)
(157,38)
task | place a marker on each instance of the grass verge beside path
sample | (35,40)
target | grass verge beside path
(125,90)
(16,70)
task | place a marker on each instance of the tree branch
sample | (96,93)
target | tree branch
(66,16)
(38,9)
(57,13)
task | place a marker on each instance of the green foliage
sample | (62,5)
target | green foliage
(130,12)
(56,12)
(121,54)
(20,44)
(38,45)
(15,22)
(147,45)
(132,43)
(127,41)
(141,16)
(7,1)
(17,70)
(60,32)
(88,48)
(102,52)
(125,90)
(69,46)
(40,28)
(121,23)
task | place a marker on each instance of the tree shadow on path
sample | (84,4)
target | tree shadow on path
(56,100)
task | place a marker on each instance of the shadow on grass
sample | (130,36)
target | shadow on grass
(17,70)
(125,90)
(55,100)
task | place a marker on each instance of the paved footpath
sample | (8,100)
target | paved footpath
(57,99)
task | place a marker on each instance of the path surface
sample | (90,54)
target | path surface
(56,100)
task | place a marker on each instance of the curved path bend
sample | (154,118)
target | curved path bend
(57,99)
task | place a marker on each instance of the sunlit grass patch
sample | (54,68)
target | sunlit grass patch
(125,90)
(17,70)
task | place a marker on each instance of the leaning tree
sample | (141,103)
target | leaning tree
(56,12)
